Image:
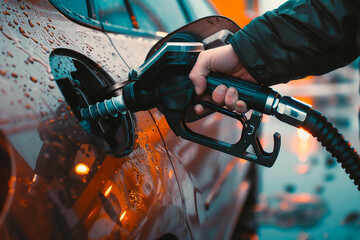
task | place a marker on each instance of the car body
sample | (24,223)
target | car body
(60,182)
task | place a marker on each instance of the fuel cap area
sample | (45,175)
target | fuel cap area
(83,82)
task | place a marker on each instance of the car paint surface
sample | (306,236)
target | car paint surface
(62,185)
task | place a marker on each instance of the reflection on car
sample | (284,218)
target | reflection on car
(125,178)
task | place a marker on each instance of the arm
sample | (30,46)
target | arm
(298,39)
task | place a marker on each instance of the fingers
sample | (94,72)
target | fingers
(219,94)
(199,109)
(199,72)
(230,98)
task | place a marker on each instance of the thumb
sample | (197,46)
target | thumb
(200,71)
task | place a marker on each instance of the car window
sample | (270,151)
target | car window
(145,15)
(160,15)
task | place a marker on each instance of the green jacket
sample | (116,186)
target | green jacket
(300,38)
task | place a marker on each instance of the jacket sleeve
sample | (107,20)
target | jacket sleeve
(300,38)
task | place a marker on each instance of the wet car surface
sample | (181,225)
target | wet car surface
(132,178)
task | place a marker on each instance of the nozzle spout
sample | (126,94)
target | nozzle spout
(107,108)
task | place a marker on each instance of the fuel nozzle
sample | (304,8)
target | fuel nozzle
(163,81)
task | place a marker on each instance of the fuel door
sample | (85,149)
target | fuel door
(82,83)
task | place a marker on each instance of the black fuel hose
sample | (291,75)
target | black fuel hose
(329,137)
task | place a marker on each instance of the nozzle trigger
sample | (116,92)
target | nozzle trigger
(249,136)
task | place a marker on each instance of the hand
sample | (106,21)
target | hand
(222,60)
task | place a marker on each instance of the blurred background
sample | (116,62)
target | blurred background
(306,194)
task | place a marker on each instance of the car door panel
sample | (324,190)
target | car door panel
(215,184)
(66,187)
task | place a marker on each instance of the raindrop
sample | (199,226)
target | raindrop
(10,54)
(26,14)
(16,22)
(33,79)
(22,7)
(31,24)
(34,40)
(2,72)
(352,220)
(330,162)
(14,75)
(23,203)
(38,23)
(6,13)
(30,59)
(22,31)
(46,50)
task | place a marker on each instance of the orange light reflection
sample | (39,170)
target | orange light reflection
(303,135)
(122,216)
(171,172)
(107,191)
(81,169)
(303,144)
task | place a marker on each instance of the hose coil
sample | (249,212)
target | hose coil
(334,142)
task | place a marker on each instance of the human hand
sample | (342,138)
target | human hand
(221,60)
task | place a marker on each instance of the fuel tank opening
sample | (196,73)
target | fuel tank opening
(83,82)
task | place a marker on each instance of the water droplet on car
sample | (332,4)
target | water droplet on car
(33,79)
(31,23)
(22,31)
